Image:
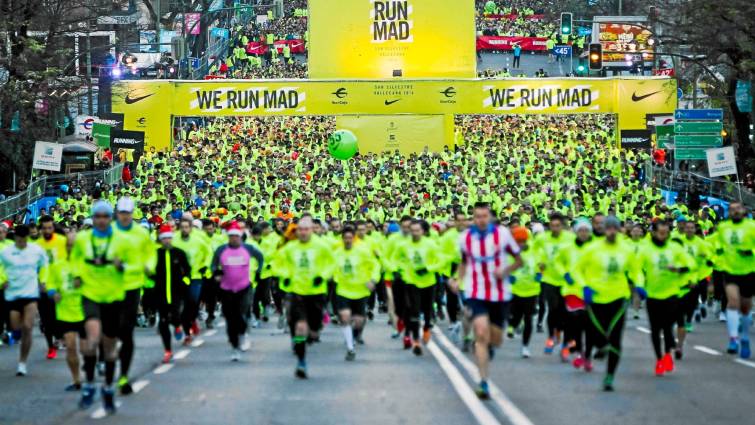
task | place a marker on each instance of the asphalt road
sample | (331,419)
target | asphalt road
(387,385)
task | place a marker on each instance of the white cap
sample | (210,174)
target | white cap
(125,204)
(197,223)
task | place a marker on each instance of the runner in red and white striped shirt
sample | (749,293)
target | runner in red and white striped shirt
(485,269)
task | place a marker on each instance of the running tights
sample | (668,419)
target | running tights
(235,305)
(601,334)
(523,308)
(556,308)
(575,326)
(662,315)
(128,323)
(419,300)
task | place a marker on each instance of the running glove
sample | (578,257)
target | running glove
(512,279)
(587,294)
(643,294)
(745,252)
(317,282)
(569,280)
(538,277)
(421,272)
(286,282)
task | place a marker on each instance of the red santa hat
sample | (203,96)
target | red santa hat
(234,229)
(165,232)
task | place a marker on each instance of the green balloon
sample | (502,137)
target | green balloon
(342,144)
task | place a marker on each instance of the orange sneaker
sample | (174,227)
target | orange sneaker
(425,336)
(565,354)
(549,346)
(167,357)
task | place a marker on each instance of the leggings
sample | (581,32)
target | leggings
(47,318)
(399,298)
(556,308)
(419,300)
(261,298)
(129,312)
(662,314)
(523,308)
(235,306)
(540,309)
(191,304)
(575,326)
(170,314)
(453,304)
(601,334)
(209,295)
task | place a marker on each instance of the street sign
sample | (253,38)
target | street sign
(562,50)
(706,127)
(690,153)
(701,140)
(664,135)
(679,93)
(699,114)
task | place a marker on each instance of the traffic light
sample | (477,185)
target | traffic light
(596,56)
(566,23)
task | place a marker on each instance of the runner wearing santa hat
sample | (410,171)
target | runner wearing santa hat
(172,277)
(234,265)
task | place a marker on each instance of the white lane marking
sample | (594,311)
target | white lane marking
(643,329)
(181,354)
(211,332)
(139,385)
(163,368)
(707,350)
(197,343)
(475,406)
(745,362)
(100,412)
(512,412)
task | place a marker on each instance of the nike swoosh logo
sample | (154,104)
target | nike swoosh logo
(636,98)
(129,100)
(391,102)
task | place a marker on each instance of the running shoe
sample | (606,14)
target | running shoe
(526,352)
(549,346)
(539,328)
(417,350)
(255,324)
(236,355)
(370,315)
(659,368)
(301,370)
(668,362)
(407,342)
(465,346)
(578,362)
(395,334)
(167,357)
(608,383)
(744,352)
(588,365)
(87,396)
(244,343)
(510,332)
(52,353)
(689,327)
(483,392)
(400,326)
(73,387)
(108,399)
(21,370)
(351,355)
(678,354)
(188,339)
(565,354)
(722,317)
(178,333)
(426,336)
(195,328)
(124,386)
(733,347)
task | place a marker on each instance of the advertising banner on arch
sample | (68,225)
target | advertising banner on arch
(370,39)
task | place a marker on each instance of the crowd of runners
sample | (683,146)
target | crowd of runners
(533,222)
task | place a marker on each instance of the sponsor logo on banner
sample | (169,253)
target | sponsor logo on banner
(390,21)
(129,99)
(635,139)
(340,96)
(84,125)
(721,161)
(539,98)
(449,95)
(284,99)
(47,156)
(637,98)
